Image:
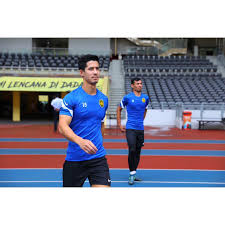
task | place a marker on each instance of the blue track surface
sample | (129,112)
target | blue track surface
(151,178)
(162,152)
(115,140)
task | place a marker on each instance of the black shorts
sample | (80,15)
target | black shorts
(76,172)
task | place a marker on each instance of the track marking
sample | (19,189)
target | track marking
(145,182)
(113,169)
(182,141)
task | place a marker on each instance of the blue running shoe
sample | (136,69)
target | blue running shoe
(131,179)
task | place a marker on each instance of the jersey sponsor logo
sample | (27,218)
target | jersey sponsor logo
(143,100)
(101,103)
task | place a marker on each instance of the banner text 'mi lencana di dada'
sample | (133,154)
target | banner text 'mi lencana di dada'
(42,84)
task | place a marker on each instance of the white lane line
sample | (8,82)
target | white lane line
(146,182)
(111,169)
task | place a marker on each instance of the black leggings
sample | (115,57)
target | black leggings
(56,119)
(135,141)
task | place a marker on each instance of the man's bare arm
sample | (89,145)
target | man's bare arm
(145,113)
(67,132)
(118,113)
(103,128)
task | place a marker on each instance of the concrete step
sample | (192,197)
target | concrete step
(117,90)
(114,106)
(113,96)
(113,101)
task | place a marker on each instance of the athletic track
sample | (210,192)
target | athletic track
(32,156)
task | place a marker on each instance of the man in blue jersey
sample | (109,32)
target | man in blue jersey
(81,122)
(136,105)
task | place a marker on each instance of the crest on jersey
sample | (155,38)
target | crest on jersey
(101,103)
(143,100)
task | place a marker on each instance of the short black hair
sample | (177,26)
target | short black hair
(135,79)
(82,63)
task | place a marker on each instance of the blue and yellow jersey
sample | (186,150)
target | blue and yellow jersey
(135,110)
(87,112)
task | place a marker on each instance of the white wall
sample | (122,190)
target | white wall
(168,118)
(155,118)
(160,118)
(207,115)
(99,46)
(15,44)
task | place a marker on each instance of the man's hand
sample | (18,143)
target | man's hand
(87,146)
(122,129)
(118,114)
(67,132)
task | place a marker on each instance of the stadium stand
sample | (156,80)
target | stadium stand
(178,64)
(176,79)
(195,81)
(38,61)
